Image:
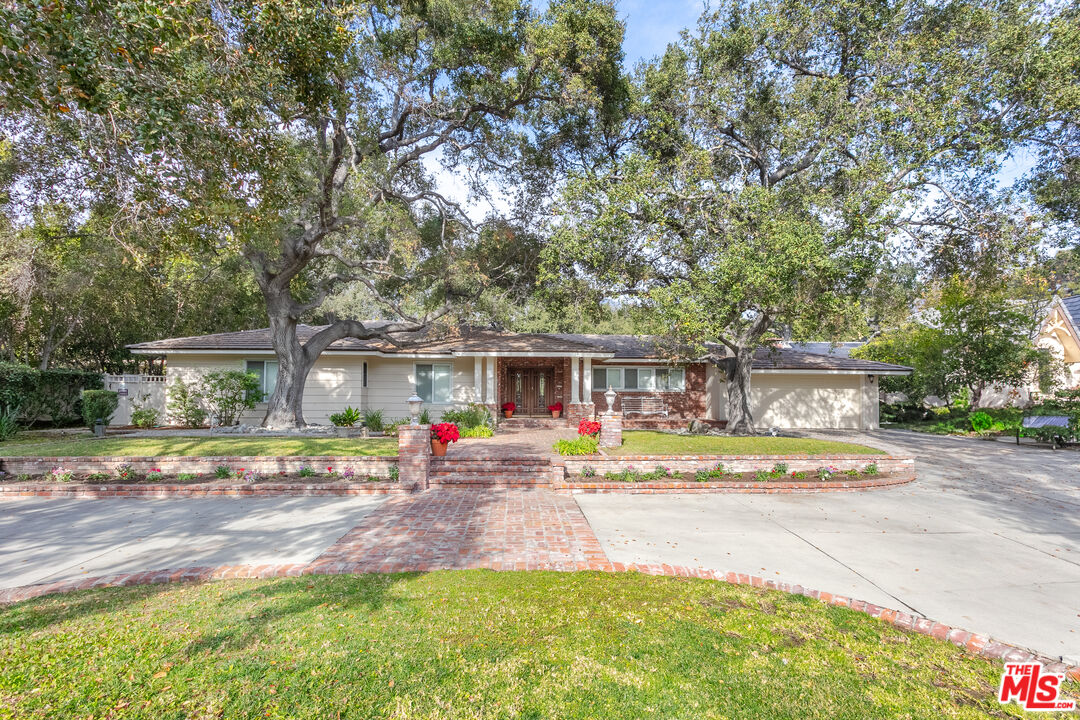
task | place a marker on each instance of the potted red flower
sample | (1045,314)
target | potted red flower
(442,434)
(555,409)
(508,409)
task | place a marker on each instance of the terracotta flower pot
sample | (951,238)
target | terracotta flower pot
(555,414)
(438,449)
(508,413)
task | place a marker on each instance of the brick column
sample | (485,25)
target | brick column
(611,430)
(414,455)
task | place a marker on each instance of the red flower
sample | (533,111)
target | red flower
(509,407)
(557,407)
(445,432)
(329,469)
(588,427)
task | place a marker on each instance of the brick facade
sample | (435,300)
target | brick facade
(682,407)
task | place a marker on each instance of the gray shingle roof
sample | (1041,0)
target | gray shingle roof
(1071,305)
(625,347)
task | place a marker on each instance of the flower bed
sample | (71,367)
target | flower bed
(718,473)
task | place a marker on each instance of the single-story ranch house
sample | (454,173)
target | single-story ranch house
(791,388)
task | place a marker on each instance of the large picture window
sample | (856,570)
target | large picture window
(661,379)
(267,372)
(434,382)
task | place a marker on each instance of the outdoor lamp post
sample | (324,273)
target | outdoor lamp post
(414,408)
(610,397)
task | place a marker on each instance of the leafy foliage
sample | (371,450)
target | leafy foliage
(581,445)
(45,393)
(99,405)
(9,422)
(777,157)
(349,417)
(968,336)
(228,393)
(373,420)
(184,404)
(145,417)
(474,415)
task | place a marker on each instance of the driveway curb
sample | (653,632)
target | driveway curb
(974,643)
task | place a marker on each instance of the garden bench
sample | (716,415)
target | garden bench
(1045,421)
(644,406)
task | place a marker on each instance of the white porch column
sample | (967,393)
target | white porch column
(586,390)
(575,379)
(490,397)
(478,379)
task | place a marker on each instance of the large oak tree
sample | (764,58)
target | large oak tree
(309,137)
(786,156)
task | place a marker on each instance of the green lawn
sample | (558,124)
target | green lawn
(647,442)
(475,644)
(156,446)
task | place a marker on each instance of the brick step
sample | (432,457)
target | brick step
(531,423)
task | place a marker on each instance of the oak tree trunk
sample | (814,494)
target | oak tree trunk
(740,421)
(285,407)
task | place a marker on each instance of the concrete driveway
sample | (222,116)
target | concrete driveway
(44,540)
(987,538)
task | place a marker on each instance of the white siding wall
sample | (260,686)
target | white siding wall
(806,401)
(336,381)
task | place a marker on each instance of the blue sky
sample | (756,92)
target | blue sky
(650,26)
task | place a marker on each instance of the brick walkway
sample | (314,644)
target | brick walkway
(443,529)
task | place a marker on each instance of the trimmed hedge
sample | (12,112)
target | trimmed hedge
(40,394)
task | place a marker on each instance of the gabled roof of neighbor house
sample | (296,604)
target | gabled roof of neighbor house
(1071,306)
(476,341)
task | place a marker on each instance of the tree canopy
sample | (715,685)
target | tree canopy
(785,157)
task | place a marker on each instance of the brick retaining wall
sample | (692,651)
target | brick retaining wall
(887,464)
(769,487)
(166,490)
(267,465)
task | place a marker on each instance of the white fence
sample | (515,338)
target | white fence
(137,391)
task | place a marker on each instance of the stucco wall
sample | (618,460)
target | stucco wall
(808,400)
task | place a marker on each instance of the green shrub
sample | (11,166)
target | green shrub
(184,405)
(870,469)
(187,477)
(780,469)
(762,475)
(221,472)
(480,431)
(347,417)
(97,477)
(980,421)
(373,420)
(425,417)
(145,417)
(228,393)
(307,471)
(99,404)
(394,472)
(581,445)
(155,476)
(55,394)
(798,475)
(9,422)
(474,415)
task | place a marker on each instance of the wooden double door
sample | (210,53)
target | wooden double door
(531,390)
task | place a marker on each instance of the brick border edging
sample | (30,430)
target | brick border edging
(741,486)
(55,490)
(974,643)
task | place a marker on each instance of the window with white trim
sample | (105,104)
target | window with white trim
(267,372)
(434,382)
(657,379)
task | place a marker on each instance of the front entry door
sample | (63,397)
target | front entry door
(531,390)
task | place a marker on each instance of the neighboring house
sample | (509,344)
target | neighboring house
(1060,334)
(790,388)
